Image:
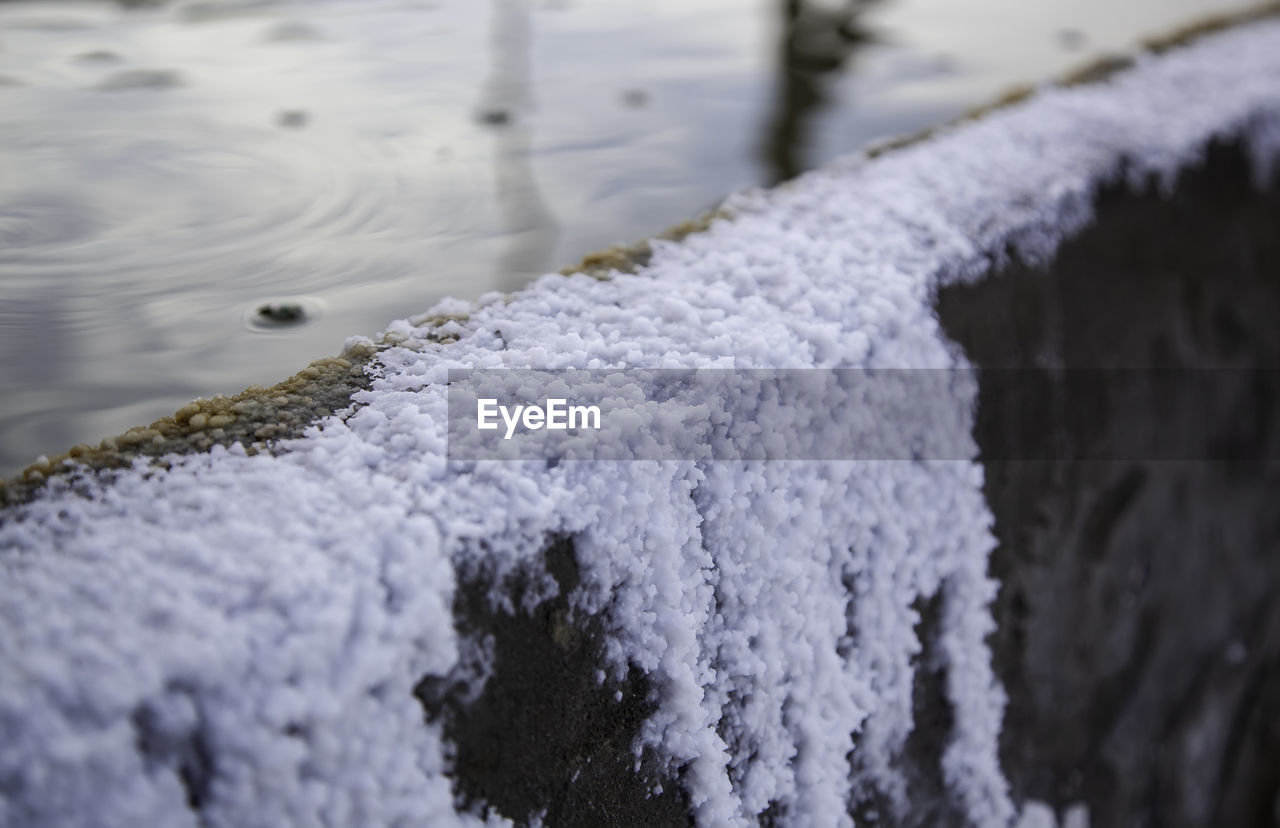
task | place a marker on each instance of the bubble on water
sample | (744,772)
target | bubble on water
(1072,40)
(293,118)
(635,98)
(494,117)
(141,79)
(98,57)
(293,31)
(207,11)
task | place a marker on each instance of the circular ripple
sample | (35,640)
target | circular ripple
(43,219)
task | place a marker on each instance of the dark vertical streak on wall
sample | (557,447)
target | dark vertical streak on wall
(543,737)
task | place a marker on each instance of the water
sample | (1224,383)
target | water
(167,170)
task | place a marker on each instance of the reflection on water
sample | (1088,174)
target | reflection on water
(816,43)
(167,169)
(527,222)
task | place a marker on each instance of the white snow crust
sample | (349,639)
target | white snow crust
(263,620)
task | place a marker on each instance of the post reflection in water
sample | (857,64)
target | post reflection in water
(816,44)
(507,108)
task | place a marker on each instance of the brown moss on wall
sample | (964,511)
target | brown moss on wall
(1094,71)
(1208,25)
(258,418)
(629,258)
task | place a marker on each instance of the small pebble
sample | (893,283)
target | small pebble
(282,313)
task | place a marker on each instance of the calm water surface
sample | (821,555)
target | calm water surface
(168,168)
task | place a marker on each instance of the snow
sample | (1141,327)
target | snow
(253,626)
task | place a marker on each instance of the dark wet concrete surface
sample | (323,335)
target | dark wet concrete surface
(1139,622)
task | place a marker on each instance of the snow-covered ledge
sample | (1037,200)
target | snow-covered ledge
(356,632)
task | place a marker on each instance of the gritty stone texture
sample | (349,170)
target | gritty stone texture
(257,418)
